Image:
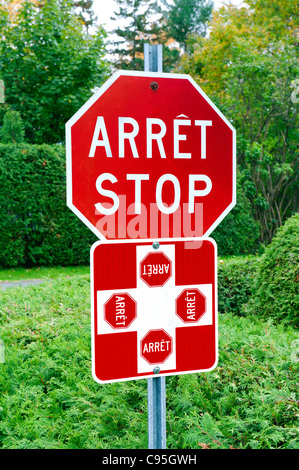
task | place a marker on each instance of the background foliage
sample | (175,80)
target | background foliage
(236,277)
(49,62)
(36,227)
(239,232)
(276,284)
(247,65)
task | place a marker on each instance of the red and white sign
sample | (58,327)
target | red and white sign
(191,305)
(120,310)
(150,156)
(156,346)
(139,324)
(155,269)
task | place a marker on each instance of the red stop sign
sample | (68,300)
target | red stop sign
(155,269)
(150,160)
(120,310)
(156,346)
(190,305)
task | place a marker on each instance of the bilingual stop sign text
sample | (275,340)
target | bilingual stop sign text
(150,156)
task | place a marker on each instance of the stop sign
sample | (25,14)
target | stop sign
(120,310)
(156,346)
(150,156)
(155,269)
(191,305)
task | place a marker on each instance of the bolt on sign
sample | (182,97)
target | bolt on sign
(153,307)
(150,156)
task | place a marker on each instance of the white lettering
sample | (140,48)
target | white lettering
(136,207)
(198,192)
(150,136)
(130,136)
(138,179)
(177,137)
(100,127)
(177,193)
(127,136)
(203,125)
(107,193)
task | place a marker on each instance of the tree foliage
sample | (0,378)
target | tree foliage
(187,17)
(275,287)
(135,26)
(248,65)
(153,21)
(49,64)
(12,130)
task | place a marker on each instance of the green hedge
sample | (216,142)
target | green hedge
(235,283)
(238,233)
(276,284)
(36,227)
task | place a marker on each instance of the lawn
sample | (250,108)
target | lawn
(49,400)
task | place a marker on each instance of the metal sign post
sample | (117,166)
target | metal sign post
(156,389)
(156,386)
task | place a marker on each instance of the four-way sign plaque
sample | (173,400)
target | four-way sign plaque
(154,308)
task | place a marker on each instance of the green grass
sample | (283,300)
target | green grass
(18,274)
(49,400)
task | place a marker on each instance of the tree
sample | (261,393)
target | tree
(49,64)
(135,27)
(187,17)
(85,11)
(13,128)
(156,22)
(247,65)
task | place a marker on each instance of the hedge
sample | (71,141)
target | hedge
(36,227)
(238,233)
(235,283)
(276,284)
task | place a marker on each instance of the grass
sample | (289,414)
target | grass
(18,274)
(48,399)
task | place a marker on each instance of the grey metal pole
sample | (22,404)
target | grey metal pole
(156,391)
(153,58)
(156,386)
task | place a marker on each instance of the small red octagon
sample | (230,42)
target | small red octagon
(190,305)
(156,346)
(155,269)
(120,310)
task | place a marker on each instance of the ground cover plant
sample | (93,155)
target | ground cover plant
(48,398)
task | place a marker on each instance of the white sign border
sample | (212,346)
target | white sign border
(93,313)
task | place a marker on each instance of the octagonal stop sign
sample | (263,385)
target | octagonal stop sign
(150,156)
(120,310)
(156,346)
(191,305)
(155,269)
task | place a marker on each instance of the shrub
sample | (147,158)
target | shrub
(36,226)
(13,128)
(235,283)
(238,233)
(275,293)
